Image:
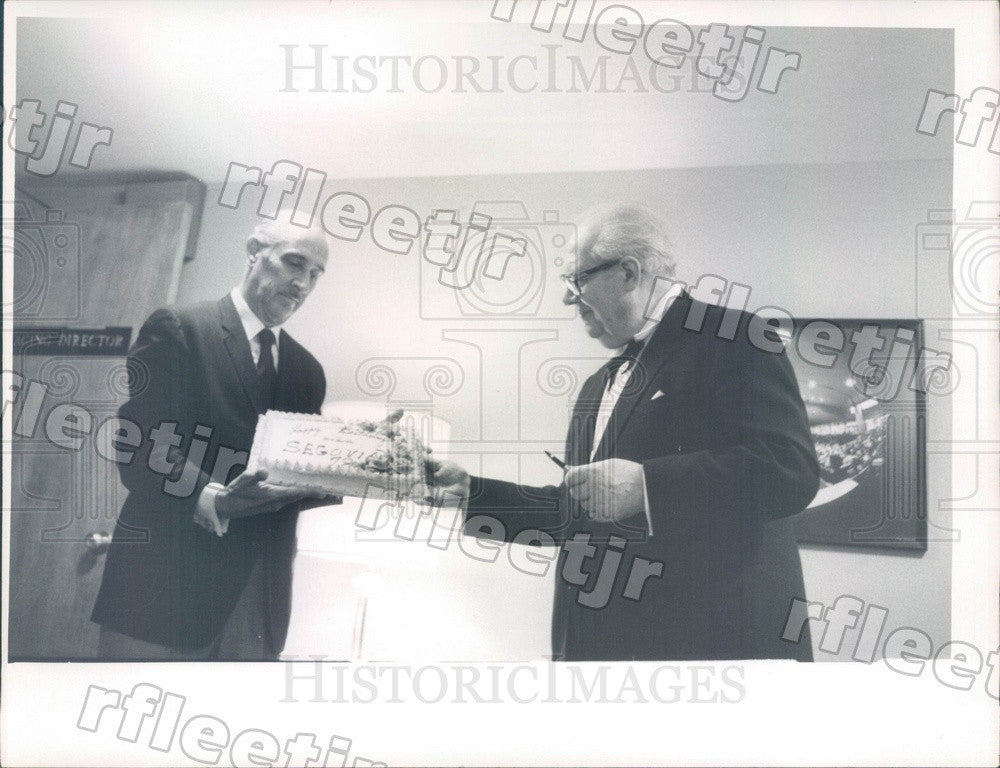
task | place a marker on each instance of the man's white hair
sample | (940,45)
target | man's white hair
(618,230)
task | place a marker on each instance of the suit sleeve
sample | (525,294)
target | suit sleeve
(513,508)
(318,387)
(763,464)
(158,363)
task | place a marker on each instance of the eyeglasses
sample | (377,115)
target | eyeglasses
(574,283)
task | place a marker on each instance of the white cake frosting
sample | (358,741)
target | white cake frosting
(340,456)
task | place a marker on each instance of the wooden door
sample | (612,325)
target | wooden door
(86,257)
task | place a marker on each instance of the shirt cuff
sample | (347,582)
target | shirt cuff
(206,500)
(645,504)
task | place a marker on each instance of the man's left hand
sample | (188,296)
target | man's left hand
(609,490)
(206,516)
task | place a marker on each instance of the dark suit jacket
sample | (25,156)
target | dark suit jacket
(728,459)
(167,580)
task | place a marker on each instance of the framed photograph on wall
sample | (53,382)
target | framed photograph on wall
(864,384)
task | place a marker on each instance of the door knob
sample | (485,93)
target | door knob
(98,542)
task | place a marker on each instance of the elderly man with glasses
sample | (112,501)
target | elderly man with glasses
(688,454)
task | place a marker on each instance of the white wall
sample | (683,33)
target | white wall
(815,240)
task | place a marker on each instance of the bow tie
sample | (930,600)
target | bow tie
(615,364)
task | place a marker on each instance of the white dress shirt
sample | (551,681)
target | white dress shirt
(252,325)
(617,385)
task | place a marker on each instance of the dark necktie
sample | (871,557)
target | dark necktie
(615,364)
(267,375)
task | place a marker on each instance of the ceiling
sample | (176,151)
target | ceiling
(195,87)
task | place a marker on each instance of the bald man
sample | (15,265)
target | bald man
(200,562)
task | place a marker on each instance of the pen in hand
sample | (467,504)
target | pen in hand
(559,462)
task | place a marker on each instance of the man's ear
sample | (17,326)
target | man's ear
(633,272)
(254,247)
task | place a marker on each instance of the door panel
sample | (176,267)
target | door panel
(118,258)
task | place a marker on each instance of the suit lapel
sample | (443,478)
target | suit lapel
(238,347)
(581,429)
(662,345)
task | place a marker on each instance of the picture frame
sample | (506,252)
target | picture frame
(864,384)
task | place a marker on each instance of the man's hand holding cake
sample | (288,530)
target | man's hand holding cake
(446,480)
(251,494)
(302,457)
